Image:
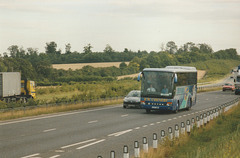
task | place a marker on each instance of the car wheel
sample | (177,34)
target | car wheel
(177,108)
(190,105)
(148,111)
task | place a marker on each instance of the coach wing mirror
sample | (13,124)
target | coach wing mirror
(175,78)
(139,76)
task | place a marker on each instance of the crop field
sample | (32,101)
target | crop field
(81,65)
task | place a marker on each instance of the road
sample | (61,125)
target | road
(93,132)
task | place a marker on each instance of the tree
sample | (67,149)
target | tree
(108,49)
(123,65)
(51,48)
(188,47)
(205,48)
(16,52)
(68,48)
(43,69)
(87,49)
(32,51)
(171,47)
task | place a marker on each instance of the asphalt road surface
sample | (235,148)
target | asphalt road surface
(93,132)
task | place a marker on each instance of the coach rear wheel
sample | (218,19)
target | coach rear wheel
(177,108)
(148,111)
(190,105)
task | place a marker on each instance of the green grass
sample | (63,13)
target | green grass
(216,69)
(218,139)
(86,91)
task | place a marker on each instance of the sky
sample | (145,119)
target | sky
(132,24)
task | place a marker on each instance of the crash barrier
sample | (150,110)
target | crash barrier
(198,121)
(209,86)
(88,102)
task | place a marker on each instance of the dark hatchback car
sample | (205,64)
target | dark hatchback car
(132,99)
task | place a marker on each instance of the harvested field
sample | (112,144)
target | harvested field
(81,65)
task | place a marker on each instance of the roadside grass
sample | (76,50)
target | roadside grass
(219,138)
(216,69)
(86,91)
(55,109)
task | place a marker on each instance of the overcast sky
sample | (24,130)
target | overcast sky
(132,24)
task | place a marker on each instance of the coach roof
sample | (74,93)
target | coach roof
(173,69)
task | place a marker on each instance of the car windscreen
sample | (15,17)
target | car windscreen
(134,94)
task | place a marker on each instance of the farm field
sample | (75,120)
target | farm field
(81,65)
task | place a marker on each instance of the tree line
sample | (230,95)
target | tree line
(38,66)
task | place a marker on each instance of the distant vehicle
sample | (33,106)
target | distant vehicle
(175,88)
(132,99)
(237,83)
(12,88)
(228,86)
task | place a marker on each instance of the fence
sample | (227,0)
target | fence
(199,121)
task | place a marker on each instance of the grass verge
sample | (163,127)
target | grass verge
(220,138)
(54,109)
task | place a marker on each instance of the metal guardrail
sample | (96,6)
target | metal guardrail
(209,86)
(184,128)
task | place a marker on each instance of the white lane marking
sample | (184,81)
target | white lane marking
(158,122)
(137,128)
(30,155)
(164,121)
(91,144)
(196,112)
(67,146)
(174,118)
(120,133)
(206,99)
(94,121)
(59,151)
(144,126)
(49,130)
(124,115)
(179,116)
(192,113)
(57,115)
(169,119)
(151,124)
(188,114)
(54,156)
(184,115)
